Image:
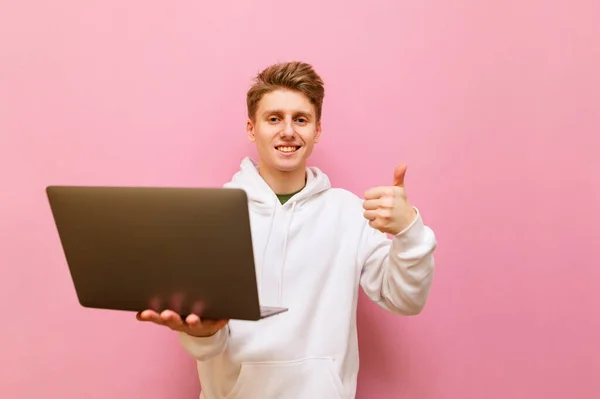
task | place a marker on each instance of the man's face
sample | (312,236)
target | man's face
(284,130)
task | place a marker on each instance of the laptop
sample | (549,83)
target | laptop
(136,248)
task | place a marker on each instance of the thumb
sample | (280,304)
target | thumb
(399,174)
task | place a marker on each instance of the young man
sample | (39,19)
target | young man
(315,246)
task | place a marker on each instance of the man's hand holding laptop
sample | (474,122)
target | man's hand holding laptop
(192,325)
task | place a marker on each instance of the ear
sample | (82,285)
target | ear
(250,130)
(318,132)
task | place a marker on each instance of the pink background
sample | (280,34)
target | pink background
(495,105)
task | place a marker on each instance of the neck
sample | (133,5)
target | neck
(283,182)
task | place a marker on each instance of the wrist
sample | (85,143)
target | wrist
(205,334)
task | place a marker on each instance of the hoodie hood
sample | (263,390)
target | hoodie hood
(262,197)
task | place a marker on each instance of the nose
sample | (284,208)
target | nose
(288,130)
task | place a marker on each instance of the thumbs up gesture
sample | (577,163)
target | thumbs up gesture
(387,207)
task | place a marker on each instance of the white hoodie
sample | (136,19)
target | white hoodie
(312,254)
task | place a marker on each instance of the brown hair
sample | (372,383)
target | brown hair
(297,76)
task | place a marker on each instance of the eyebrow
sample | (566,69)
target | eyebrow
(295,113)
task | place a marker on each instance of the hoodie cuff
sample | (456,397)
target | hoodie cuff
(192,339)
(414,234)
(205,347)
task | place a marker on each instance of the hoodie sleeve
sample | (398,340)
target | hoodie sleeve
(204,348)
(397,272)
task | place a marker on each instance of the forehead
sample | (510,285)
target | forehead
(282,100)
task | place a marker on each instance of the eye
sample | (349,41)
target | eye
(273,119)
(301,120)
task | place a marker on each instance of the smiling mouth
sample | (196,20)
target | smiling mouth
(287,149)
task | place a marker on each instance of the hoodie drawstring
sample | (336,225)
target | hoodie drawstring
(262,267)
(287,233)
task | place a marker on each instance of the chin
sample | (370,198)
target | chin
(289,166)
(289,161)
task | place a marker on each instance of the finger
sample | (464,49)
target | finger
(171,319)
(371,204)
(192,320)
(374,193)
(370,215)
(149,315)
(375,224)
(399,175)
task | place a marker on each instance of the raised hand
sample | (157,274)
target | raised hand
(387,207)
(192,325)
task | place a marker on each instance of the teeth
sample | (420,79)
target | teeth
(286,149)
